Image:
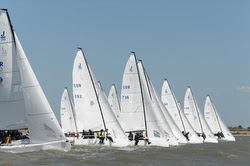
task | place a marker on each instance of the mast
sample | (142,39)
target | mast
(196,109)
(97,98)
(215,112)
(73,109)
(119,105)
(143,104)
(176,105)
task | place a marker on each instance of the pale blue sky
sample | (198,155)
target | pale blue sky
(202,44)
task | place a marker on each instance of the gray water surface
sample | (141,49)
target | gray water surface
(223,153)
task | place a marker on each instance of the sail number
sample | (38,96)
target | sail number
(77,85)
(125,97)
(78,96)
(126,86)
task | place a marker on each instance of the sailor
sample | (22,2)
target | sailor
(222,135)
(84,134)
(130,136)
(91,134)
(100,136)
(108,136)
(137,135)
(185,135)
(203,136)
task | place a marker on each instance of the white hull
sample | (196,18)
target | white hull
(195,141)
(161,143)
(21,148)
(211,140)
(226,139)
(95,142)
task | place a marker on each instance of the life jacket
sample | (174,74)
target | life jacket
(99,134)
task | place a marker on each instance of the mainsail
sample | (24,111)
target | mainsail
(214,120)
(11,99)
(92,108)
(132,111)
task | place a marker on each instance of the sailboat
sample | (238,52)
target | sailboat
(196,119)
(154,104)
(93,111)
(21,94)
(114,101)
(68,116)
(135,113)
(174,108)
(215,122)
(176,132)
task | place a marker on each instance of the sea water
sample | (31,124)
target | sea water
(223,153)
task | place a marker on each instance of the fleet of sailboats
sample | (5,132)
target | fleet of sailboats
(139,117)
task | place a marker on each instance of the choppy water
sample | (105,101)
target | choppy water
(224,153)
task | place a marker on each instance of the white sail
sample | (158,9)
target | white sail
(114,101)
(131,116)
(68,122)
(215,122)
(92,108)
(42,123)
(44,129)
(156,120)
(196,119)
(176,132)
(169,100)
(11,98)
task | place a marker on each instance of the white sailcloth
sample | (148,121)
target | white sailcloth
(196,119)
(131,116)
(214,120)
(164,113)
(68,123)
(169,100)
(42,123)
(11,97)
(114,101)
(92,108)
(156,122)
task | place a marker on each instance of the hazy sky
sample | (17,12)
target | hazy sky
(202,44)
